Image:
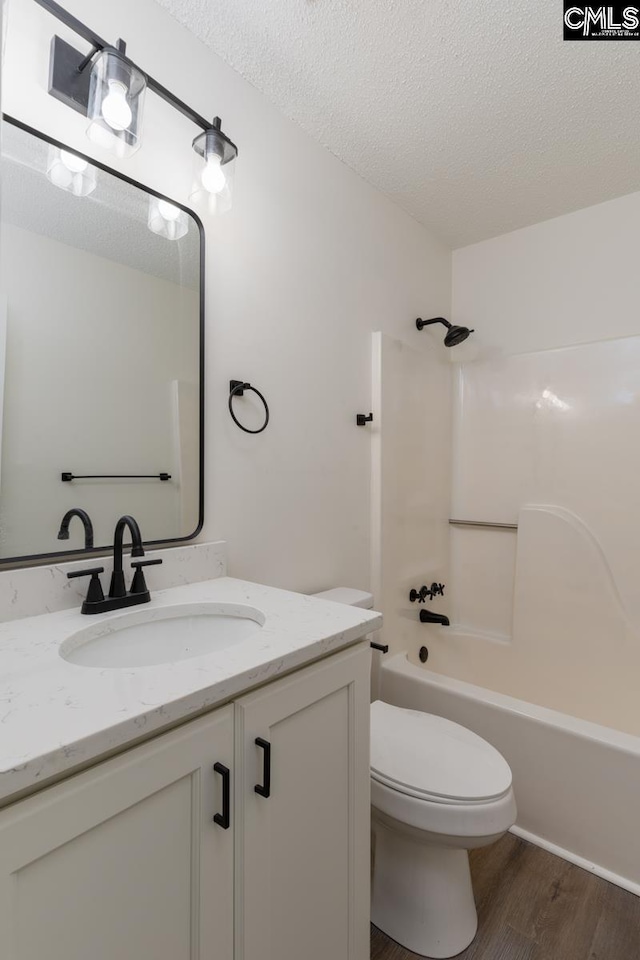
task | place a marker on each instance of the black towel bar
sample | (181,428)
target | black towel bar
(68,477)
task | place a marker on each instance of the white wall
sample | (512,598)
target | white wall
(66,334)
(546,425)
(310,261)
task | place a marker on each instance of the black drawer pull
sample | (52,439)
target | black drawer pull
(264,788)
(224,819)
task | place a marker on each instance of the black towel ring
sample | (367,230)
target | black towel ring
(237,390)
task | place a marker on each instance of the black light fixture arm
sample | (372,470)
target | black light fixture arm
(98,44)
(82,66)
(73,23)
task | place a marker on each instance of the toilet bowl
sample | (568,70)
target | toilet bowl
(437,791)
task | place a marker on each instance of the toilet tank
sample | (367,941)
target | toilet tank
(358,598)
(352,598)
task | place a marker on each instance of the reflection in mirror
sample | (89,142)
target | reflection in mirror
(100,352)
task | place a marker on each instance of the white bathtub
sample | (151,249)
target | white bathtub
(577,784)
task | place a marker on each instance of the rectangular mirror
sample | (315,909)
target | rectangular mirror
(101,353)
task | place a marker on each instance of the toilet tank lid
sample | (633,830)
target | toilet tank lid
(353,598)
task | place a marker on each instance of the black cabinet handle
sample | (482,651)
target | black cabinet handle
(224,819)
(264,788)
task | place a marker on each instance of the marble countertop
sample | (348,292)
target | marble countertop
(56,716)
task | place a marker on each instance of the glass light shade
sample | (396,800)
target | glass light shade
(116,104)
(70,172)
(167,220)
(213,171)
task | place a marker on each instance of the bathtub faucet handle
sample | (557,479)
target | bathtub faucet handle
(419,595)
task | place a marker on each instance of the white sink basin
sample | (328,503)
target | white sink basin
(144,637)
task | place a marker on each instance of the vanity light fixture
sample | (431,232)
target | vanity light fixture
(213,169)
(70,172)
(106,86)
(116,102)
(167,220)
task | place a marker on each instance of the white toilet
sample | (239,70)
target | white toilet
(437,791)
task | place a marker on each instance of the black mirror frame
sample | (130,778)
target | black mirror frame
(43,558)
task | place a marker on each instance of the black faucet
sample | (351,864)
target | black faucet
(118,588)
(63,532)
(96,602)
(426,616)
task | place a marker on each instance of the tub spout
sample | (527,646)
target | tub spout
(426,616)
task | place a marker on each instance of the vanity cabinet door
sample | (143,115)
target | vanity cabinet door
(125,861)
(302,853)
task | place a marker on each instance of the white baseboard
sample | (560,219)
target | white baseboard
(577,860)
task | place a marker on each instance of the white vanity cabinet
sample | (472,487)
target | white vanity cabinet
(126,862)
(302,853)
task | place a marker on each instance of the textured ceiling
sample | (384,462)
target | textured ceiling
(474,117)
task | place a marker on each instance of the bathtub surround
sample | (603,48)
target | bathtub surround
(306,265)
(543,426)
(571,641)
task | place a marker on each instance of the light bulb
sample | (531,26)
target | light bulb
(168,211)
(72,163)
(115,109)
(212,177)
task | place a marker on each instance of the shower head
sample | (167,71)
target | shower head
(454,335)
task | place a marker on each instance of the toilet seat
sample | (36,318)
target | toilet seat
(432,775)
(433,759)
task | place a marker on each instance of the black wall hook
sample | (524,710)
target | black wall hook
(362,420)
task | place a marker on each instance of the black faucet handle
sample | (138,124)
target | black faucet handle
(89,572)
(95,592)
(419,595)
(138,584)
